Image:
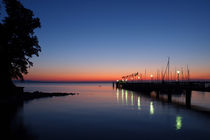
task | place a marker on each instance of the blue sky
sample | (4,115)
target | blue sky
(120,36)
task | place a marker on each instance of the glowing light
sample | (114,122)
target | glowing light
(117,94)
(126,97)
(151,75)
(117,80)
(178,122)
(151,108)
(122,96)
(178,75)
(132,98)
(138,77)
(126,79)
(139,103)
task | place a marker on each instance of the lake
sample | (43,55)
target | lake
(100,112)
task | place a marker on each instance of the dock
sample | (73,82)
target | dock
(164,86)
(169,89)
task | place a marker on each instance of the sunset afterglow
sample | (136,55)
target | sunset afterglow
(105,40)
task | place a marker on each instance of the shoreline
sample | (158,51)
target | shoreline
(37,95)
(21,98)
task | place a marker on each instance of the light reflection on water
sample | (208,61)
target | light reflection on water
(151,108)
(101,112)
(139,103)
(178,122)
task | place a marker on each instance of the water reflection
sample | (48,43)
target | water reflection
(126,97)
(109,117)
(139,103)
(129,98)
(151,108)
(122,96)
(178,122)
(12,122)
(117,95)
(132,98)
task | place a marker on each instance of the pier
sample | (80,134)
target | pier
(164,86)
(166,80)
(167,83)
(158,90)
(165,91)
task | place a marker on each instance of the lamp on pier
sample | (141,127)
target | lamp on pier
(151,76)
(178,75)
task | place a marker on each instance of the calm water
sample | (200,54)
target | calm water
(101,112)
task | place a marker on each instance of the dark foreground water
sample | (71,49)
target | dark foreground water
(101,112)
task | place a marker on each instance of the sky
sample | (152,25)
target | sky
(103,40)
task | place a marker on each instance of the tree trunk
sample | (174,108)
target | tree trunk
(7,86)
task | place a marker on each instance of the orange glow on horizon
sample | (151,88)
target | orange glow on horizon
(50,77)
(102,73)
(91,77)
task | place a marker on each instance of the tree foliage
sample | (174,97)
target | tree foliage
(18,41)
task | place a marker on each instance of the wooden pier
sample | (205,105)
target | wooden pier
(164,82)
(170,89)
(166,86)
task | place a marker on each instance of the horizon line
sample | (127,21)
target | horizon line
(54,81)
(99,81)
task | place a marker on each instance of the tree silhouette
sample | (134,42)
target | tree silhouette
(18,42)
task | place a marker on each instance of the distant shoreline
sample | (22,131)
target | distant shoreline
(37,95)
(78,82)
(28,96)
(31,81)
